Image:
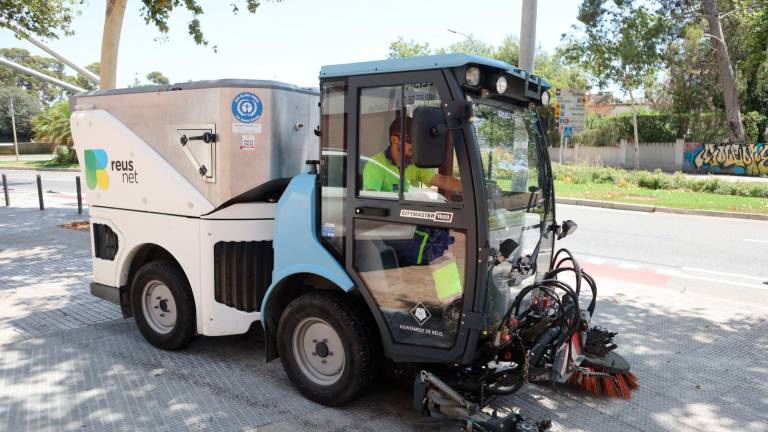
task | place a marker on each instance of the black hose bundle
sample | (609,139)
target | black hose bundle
(557,267)
(564,316)
(548,325)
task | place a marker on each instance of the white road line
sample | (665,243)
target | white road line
(722,281)
(669,272)
(756,241)
(761,279)
(629,266)
(592,260)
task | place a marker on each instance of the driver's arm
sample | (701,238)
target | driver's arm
(449,183)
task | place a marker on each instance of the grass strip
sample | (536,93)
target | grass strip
(681,199)
(657,180)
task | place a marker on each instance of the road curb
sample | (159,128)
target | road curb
(39,169)
(652,209)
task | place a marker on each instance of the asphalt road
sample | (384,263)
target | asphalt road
(710,255)
(722,257)
(54,181)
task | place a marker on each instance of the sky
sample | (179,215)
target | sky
(290,40)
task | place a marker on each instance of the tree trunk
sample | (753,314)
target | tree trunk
(110,42)
(634,127)
(731,96)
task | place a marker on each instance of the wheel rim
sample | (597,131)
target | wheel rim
(318,351)
(159,307)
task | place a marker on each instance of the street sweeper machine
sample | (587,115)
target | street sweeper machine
(399,219)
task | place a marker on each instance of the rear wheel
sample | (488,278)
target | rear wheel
(327,348)
(163,305)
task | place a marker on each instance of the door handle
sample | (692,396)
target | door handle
(207,138)
(372,211)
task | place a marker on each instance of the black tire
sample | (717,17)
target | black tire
(182,331)
(360,346)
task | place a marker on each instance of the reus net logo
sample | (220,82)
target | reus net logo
(95,169)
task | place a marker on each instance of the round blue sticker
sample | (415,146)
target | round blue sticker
(247,107)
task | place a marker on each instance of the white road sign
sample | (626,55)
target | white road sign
(572,105)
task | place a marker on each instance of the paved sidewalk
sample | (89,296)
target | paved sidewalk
(69,362)
(44,273)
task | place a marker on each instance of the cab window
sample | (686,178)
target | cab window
(385,165)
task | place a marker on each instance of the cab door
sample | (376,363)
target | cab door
(410,242)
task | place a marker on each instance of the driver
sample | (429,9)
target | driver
(381,174)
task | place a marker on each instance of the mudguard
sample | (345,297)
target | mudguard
(297,247)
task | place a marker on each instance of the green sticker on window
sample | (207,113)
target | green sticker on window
(447,282)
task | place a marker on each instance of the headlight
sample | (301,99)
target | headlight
(545,98)
(473,75)
(501,84)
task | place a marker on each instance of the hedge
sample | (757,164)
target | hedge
(585,174)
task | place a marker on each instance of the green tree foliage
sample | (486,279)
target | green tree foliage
(46,18)
(553,67)
(52,126)
(693,78)
(153,78)
(12,78)
(402,48)
(25,107)
(505,52)
(558,72)
(45,91)
(749,24)
(82,81)
(619,42)
(157,12)
(157,78)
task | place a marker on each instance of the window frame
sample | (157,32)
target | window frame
(389,210)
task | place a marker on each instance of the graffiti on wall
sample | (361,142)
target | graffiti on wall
(726,159)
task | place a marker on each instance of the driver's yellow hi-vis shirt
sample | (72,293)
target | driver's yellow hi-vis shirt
(382,175)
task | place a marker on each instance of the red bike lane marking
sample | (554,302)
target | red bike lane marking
(642,277)
(65,195)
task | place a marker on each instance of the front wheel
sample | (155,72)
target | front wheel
(327,348)
(163,305)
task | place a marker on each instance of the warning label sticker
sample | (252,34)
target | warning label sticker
(248,142)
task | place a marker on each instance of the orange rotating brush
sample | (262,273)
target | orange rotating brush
(603,372)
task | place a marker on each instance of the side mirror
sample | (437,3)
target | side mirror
(567,228)
(429,137)
(508,247)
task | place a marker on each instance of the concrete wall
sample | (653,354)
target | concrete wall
(26,148)
(665,156)
(751,160)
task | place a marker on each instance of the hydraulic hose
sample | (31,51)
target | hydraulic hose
(579,273)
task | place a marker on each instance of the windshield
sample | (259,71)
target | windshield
(518,190)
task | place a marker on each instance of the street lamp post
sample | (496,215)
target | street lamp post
(477,50)
(528,35)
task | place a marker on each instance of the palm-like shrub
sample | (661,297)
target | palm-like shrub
(52,126)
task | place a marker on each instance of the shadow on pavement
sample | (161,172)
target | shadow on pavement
(701,366)
(695,375)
